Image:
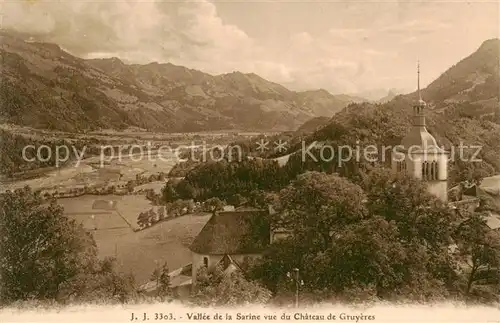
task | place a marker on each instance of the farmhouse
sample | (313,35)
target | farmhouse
(231,239)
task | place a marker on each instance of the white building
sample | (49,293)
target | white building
(420,156)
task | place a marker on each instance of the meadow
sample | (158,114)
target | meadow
(141,252)
(111,220)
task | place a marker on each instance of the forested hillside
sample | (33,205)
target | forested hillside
(45,87)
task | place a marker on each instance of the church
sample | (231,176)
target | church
(419,154)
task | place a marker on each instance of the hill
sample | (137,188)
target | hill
(390,95)
(469,88)
(463,107)
(45,87)
(313,125)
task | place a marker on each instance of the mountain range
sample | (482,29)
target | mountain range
(463,108)
(45,87)
(467,90)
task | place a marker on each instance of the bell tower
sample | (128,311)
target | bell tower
(419,154)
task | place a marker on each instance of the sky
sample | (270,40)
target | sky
(341,46)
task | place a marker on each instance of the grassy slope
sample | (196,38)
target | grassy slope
(168,241)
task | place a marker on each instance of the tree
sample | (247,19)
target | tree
(258,199)
(41,249)
(143,220)
(151,195)
(102,283)
(152,216)
(162,279)
(213,205)
(479,248)
(406,201)
(46,256)
(218,288)
(318,205)
(161,213)
(466,170)
(169,192)
(237,200)
(389,240)
(190,205)
(178,208)
(130,186)
(488,203)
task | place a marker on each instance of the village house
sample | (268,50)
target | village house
(231,239)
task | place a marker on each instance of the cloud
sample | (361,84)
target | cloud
(418,26)
(140,31)
(337,46)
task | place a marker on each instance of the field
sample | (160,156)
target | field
(130,206)
(91,173)
(141,252)
(111,218)
(103,212)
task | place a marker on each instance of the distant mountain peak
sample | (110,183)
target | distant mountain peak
(493,43)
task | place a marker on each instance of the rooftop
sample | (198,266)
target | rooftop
(236,232)
(420,138)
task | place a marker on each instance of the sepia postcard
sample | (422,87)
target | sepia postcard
(277,160)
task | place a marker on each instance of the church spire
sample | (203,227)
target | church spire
(418,80)
(418,109)
(421,103)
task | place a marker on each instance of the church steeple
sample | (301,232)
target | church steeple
(423,158)
(418,80)
(418,109)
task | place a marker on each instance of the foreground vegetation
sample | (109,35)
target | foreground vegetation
(384,238)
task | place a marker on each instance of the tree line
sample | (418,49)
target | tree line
(385,238)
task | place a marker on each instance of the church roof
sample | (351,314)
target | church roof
(420,140)
(238,232)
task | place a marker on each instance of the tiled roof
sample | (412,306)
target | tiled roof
(420,137)
(238,232)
